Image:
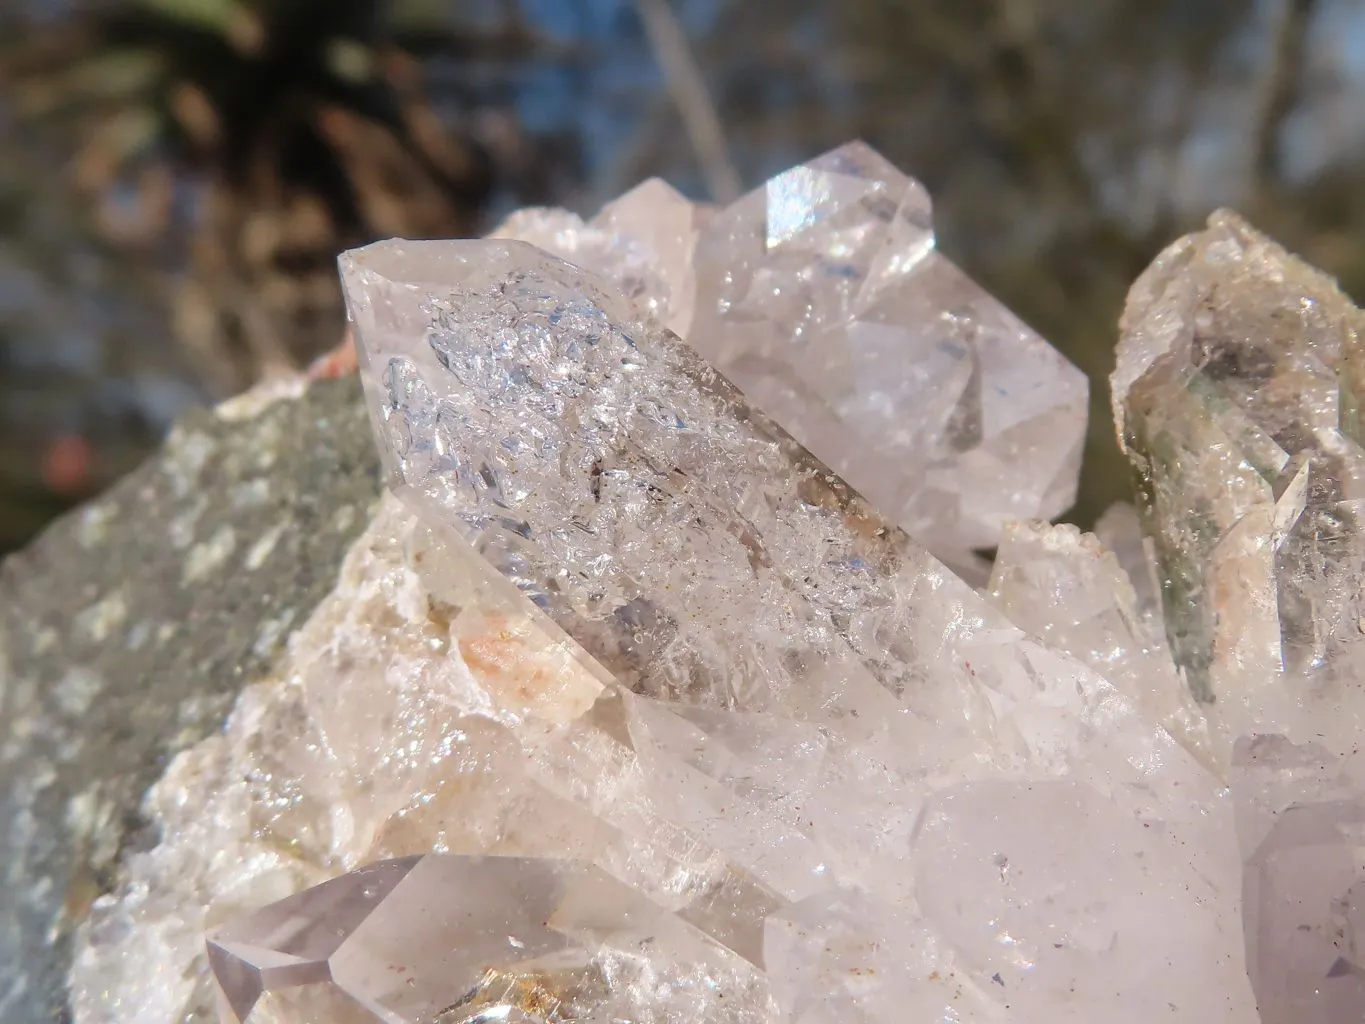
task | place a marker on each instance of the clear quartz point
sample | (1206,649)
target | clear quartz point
(822,296)
(459,940)
(1236,394)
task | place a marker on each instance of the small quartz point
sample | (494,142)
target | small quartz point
(822,296)
(1067,589)
(1236,395)
(1119,529)
(642,242)
(1301,821)
(460,940)
(801,684)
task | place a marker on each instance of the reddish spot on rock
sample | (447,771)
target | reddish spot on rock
(67,464)
(339,362)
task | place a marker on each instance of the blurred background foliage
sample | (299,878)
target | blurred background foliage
(178,175)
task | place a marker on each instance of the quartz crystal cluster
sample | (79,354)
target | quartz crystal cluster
(648,695)
(821,295)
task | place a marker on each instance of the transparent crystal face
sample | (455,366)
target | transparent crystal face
(822,296)
(461,940)
(1236,392)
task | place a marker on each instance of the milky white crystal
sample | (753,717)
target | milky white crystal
(1065,588)
(1301,818)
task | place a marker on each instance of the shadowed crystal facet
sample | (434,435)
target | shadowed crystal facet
(1301,819)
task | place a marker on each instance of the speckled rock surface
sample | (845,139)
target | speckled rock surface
(127,629)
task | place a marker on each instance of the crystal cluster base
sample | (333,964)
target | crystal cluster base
(655,693)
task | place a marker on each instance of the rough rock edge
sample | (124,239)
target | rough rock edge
(128,628)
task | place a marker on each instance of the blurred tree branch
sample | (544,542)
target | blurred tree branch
(301,127)
(222,152)
(691,97)
(1284,83)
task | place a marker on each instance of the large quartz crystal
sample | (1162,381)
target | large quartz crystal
(831,746)
(1237,391)
(822,296)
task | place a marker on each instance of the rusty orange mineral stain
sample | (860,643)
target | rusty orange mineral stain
(68,462)
(340,362)
(499,656)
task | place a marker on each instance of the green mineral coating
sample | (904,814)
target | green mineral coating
(1350,406)
(1253,364)
(1182,541)
(126,631)
(1182,583)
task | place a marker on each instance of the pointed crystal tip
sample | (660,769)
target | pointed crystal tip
(455,940)
(822,296)
(1239,379)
